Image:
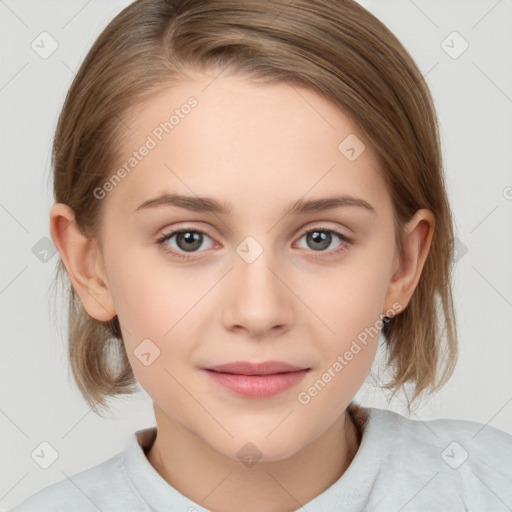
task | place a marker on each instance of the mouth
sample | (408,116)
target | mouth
(257,380)
(261,369)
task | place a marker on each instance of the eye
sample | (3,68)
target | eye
(191,240)
(184,241)
(319,239)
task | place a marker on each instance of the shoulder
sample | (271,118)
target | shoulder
(101,487)
(459,440)
(447,459)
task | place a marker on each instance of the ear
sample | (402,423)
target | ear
(418,234)
(83,261)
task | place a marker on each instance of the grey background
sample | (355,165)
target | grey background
(473,95)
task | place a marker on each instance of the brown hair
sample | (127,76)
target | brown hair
(337,49)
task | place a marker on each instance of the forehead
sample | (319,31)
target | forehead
(246,144)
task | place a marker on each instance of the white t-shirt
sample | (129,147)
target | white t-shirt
(401,465)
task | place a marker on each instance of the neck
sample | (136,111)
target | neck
(222,484)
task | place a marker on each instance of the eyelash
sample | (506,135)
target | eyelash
(179,255)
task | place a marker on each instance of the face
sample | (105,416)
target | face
(255,282)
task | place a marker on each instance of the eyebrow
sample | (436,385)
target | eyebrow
(209,205)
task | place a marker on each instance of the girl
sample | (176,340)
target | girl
(293,146)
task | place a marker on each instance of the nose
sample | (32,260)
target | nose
(258,299)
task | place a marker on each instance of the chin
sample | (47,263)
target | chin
(255,450)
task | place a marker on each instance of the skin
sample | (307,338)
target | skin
(259,148)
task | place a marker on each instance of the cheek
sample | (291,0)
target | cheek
(347,351)
(348,298)
(149,299)
(162,317)
(349,302)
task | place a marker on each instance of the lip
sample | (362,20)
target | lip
(248,368)
(257,380)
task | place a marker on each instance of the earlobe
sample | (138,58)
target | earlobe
(416,244)
(82,259)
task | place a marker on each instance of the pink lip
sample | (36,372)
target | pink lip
(257,380)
